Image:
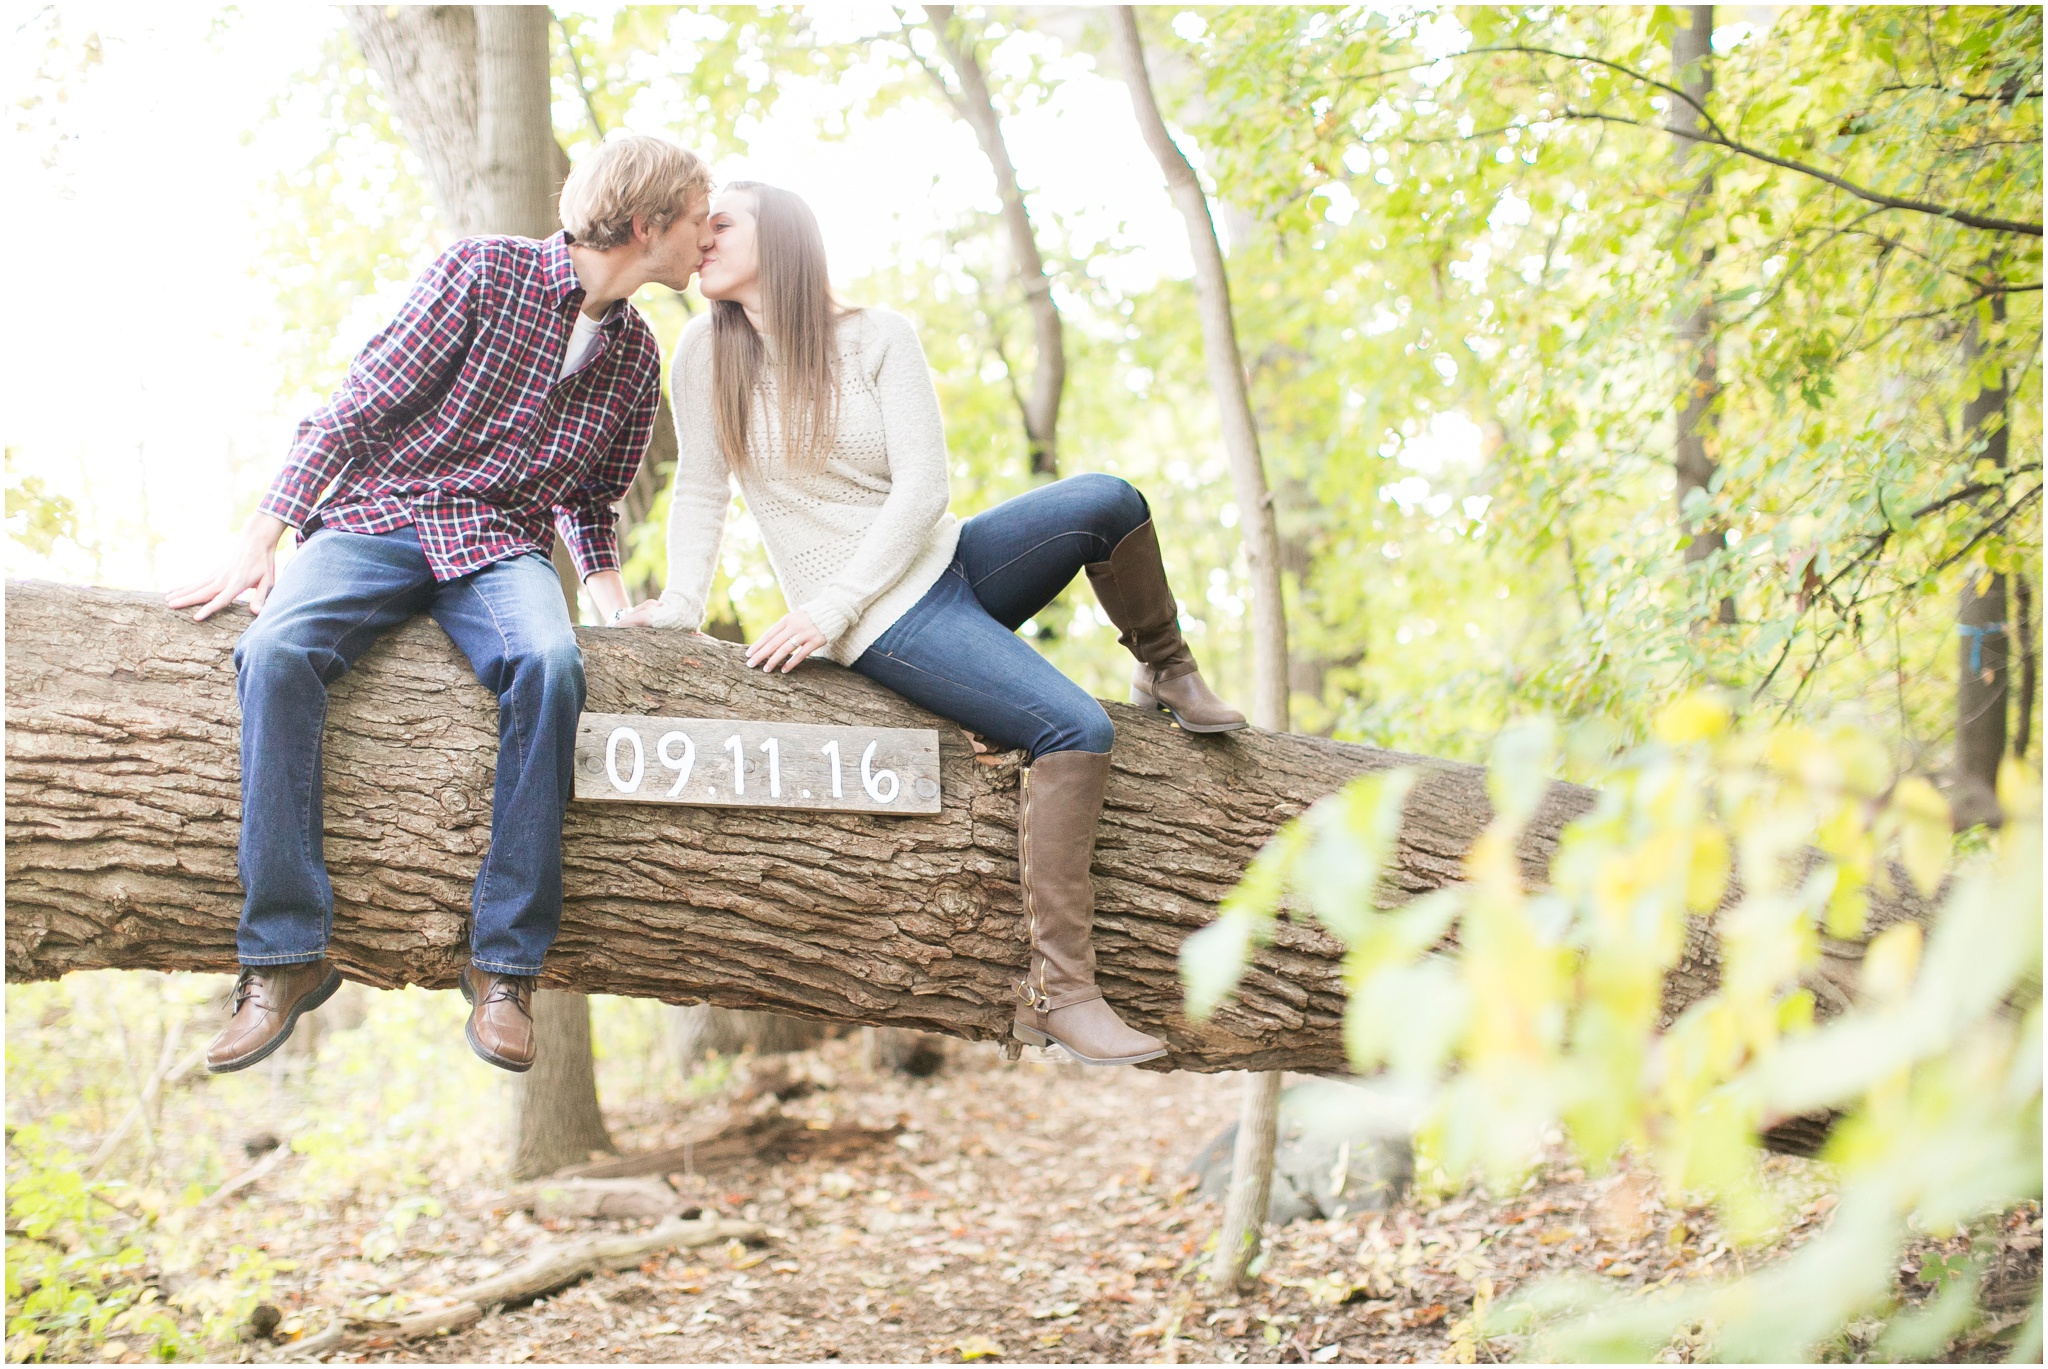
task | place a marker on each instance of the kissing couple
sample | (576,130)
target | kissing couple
(511,399)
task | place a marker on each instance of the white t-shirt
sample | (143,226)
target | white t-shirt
(580,341)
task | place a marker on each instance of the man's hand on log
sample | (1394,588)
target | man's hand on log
(795,637)
(640,615)
(251,570)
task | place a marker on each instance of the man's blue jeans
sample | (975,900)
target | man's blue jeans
(338,595)
(956,651)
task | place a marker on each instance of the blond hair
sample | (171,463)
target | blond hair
(802,317)
(630,177)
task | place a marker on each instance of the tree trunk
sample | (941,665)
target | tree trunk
(1251,1179)
(557,1121)
(1983,653)
(555,1117)
(2030,667)
(471,88)
(1691,49)
(1041,406)
(124,803)
(704,1028)
(1226,378)
(514,129)
(425,56)
(917,1054)
(638,505)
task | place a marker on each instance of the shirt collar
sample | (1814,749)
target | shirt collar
(559,272)
(563,287)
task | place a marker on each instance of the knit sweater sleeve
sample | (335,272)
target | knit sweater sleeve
(919,482)
(702,492)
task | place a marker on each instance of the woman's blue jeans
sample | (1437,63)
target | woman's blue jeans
(956,651)
(337,596)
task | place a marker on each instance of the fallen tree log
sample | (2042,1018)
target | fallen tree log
(546,1270)
(123,805)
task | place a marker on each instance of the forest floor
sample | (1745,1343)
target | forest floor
(993,1211)
(1029,1211)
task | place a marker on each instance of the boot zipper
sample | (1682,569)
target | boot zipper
(1036,1000)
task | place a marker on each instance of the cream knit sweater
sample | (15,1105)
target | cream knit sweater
(853,546)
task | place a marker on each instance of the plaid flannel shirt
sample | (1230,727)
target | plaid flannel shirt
(452,419)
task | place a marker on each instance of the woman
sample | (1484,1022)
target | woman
(827,417)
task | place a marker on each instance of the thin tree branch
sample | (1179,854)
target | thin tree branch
(1718,137)
(2003,97)
(1866,559)
(576,69)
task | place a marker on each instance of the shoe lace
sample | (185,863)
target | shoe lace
(514,989)
(247,986)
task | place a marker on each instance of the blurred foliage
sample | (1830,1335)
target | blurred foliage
(1459,241)
(121,1252)
(36,515)
(1464,227)
(1512,1013)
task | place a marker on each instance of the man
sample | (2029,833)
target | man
(513,395)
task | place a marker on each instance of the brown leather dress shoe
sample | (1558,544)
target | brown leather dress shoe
(267,1002)
(500,1017)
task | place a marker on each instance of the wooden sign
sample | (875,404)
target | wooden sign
(727,763)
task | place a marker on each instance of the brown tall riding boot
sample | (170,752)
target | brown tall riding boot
(1062,799)
(1132,587)
(267,1003)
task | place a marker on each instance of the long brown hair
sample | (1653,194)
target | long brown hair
(803,318)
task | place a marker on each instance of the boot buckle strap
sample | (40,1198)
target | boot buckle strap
(1038,999)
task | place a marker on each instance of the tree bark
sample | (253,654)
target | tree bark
(514,130)
(705,1028)
(1226,378)
(124,803)
(425,57)
(471,88)
(1251,1179)
(1691,51)
(556,1120)
(973,103)
(1983,688)
(2030,667)
(638,505)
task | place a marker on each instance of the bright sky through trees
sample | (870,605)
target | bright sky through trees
(1459,239)
(145,143)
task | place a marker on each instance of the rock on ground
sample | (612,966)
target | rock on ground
(1343,1149)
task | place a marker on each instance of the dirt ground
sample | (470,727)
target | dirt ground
(1028,1211)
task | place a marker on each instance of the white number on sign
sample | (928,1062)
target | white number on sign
(774,750)
(739,764)
(611,760)
(832,749)
(879,780)
(683,766)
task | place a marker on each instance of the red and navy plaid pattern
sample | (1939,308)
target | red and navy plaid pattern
(451,419)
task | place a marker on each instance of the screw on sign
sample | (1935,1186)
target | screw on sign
(745,763)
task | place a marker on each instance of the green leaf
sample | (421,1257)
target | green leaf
(1353,833)
(1524,762)
(1213,961)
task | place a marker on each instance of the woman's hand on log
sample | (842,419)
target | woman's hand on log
(640,615)
(787,643)
(251,570)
